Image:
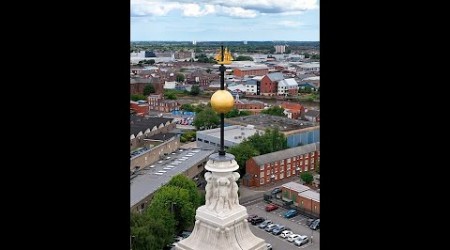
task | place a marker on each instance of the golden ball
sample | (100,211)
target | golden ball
(222,101)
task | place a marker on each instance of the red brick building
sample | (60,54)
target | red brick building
(245,104)
(269,83)
(157,102)
(251,71)
(273,167)
(139,108)
(138,84)
(294,110)
(305,199)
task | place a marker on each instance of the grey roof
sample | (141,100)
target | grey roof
(287,153)
(310,195)
(250,82)
(146,182)
(295,186)
(312,112)
(276,76)
(138,124)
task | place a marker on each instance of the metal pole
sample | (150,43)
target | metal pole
(222,115)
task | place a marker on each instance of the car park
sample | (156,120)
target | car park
(301,240)
(251,216)
(290,213)
(271,207)
(315,225)
(278,229)
(286,233)
(276,191)
(265,223)
(257,220)
(270,227)
(293,237)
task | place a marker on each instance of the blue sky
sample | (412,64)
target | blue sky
(224,20)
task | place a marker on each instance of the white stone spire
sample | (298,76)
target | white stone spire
(221,223)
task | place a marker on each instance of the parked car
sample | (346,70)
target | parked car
(269,246)
(315,225)
(278,230)
(271,207)
(286,233)
(293,237)
(290,213)
(301,240)
(309,222)
(257,220)
(270,227)
(251,216)
(276,191)
(265,223)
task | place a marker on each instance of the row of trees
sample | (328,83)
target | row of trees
(207,118)
(171,211)
(272,140)
(274,110)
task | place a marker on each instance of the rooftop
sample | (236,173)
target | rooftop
(263,121)
(287,153)
(310,195)
(151,178)
(297,187)
(235,133)
(141,124)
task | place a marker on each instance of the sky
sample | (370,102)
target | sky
(224,20)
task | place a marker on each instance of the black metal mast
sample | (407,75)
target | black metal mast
(222,115)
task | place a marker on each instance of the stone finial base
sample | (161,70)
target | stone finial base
(212,232)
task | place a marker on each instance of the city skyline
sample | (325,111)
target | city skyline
(222,20)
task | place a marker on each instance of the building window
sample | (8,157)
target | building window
(281,176)
(288,173)
(261,174)
(267,179)
(268,172)
(289,160)
(261,167)
(276,169)
(315,207)
(261,181)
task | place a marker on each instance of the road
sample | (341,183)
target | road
(297,224)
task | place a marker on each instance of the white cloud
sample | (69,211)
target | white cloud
(194,10)
(234,8)
(238,12)
(288,23)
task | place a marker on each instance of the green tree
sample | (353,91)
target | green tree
(149,89)
(200,107)
(152,229)
(274,110)
(307,177)
(235,113)
(177,201)
(182,181)
(138,97)
(272,140)
(244,58)
(180,77)
(242,152)
(195,90)
(170,96)
(151,61)
(187,107)
(206,119)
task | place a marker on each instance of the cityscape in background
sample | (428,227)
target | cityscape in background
(273,130)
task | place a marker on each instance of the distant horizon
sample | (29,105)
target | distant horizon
(223,41)
(224,20)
